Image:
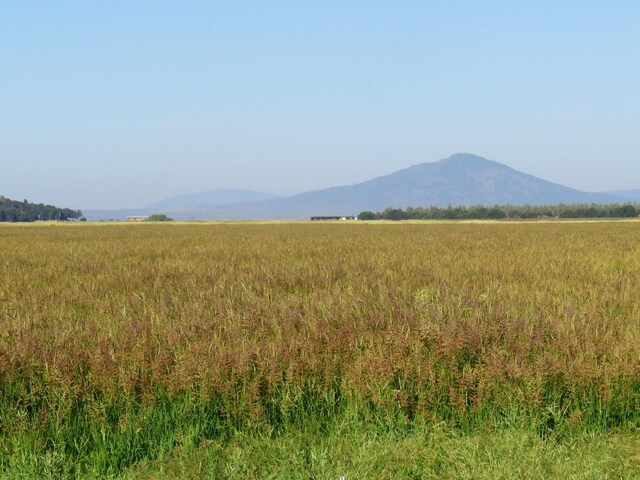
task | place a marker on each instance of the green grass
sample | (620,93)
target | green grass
(425,452)
(183,438)
(357,451)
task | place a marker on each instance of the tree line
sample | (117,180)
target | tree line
(497,212)
(25,211)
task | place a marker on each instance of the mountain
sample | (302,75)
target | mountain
(185,207)
(628,195)
(462,179)
(218,196)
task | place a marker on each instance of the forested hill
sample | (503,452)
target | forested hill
(16,211)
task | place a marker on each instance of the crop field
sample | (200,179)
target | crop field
(299,350)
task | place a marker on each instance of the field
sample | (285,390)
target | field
(284,350)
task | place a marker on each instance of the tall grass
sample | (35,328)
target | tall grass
(124,342)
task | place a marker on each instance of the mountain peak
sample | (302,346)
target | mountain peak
(462,157)
(467,160)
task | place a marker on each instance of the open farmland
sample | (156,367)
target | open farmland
(304,350)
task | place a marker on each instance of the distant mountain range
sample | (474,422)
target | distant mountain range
(219,196)
(628,195)
(186,207)
(461,179)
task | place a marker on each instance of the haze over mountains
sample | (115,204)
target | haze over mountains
(218,196)
(628,195)
(461,179)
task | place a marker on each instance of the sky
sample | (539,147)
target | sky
(118,104)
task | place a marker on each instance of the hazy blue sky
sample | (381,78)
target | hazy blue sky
(120,103)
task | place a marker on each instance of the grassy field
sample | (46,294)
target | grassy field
(412,350)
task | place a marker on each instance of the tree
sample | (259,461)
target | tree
(367,215)
(23,211)
(393,214)
(159,217)
(623,211)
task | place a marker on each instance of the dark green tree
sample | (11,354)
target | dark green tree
(367,215)
(158,217)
